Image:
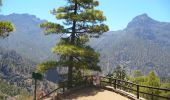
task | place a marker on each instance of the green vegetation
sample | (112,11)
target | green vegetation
(120,73)
(138,77)
(150,80)
(7,91)
(166,86)
(5,28)
(80,22)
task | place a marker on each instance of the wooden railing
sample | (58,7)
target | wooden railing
(116,84)
(61,89)
(134,88)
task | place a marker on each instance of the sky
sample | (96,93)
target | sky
(118,12)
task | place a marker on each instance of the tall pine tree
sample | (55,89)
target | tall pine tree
(80,22)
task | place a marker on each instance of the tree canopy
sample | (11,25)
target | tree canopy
(80,22)
(120,73)
(5,28)
(147,80)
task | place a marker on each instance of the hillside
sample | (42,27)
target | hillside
(28,39)
(22,50)
(144,44)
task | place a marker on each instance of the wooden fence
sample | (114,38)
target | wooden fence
(116,84)
(134,88)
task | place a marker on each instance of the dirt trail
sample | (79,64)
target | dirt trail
(94,94)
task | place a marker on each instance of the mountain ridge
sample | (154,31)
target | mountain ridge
(143,20)
(27,37)
(144,44)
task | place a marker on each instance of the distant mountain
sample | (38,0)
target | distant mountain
(28,42)
(144,44)
(28,39)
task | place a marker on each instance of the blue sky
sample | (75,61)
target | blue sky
(118,12)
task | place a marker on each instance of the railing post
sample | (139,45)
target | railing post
(130,86)
(35,89)
(152,94)
(115,83)
(137,91)
(110,81)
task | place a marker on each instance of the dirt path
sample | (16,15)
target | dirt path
(94,94)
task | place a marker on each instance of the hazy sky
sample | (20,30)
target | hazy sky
(118,12)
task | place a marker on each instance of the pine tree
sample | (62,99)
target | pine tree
(80,22)
(153,81)
(120,73)
(5,27)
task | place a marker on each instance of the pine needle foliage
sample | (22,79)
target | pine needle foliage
(80,22)
(5,28)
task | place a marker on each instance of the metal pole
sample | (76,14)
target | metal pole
(137,91)
(35,89)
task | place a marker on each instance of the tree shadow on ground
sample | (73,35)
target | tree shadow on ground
(83,92)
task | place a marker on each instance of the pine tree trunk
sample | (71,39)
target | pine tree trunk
(72,40)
